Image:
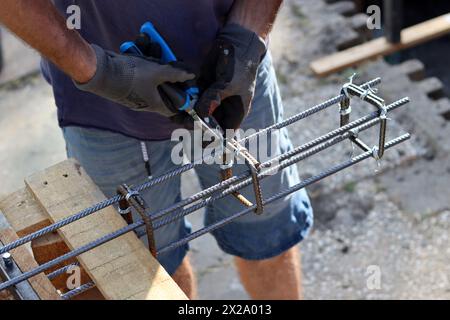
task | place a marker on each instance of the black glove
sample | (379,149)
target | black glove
(134,81)
(152,49)
(229,76)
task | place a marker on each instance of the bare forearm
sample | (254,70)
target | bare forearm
(39,24)
(256,15)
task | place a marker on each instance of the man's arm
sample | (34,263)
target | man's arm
(128,80)
(39,24)
(255,15)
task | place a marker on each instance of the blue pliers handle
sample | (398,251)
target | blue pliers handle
(185,99)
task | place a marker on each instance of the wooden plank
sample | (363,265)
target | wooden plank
(25,216)
(122,268)
(410,37)
(23,213)
(25,261)
(51,246)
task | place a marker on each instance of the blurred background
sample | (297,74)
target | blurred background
(393,215)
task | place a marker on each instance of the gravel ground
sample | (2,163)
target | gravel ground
(360,226)
(412,256)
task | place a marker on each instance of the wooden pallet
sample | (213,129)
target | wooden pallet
(121,269)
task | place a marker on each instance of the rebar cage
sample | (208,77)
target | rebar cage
(130,197)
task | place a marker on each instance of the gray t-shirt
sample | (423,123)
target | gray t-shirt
(188,26)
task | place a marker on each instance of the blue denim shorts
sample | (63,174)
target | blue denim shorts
(112,159)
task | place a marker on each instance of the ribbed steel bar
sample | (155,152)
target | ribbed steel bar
(341,130)
(371,120)
(378,102)
(332,134)
(138,224)
(60,224)
(72,254)
(309,112)
(143,187)
(56,273)
(296,156)
(106,203)
(281,195)
(83,288)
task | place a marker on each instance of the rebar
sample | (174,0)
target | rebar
(57,273)
(171,174)
(81,289)
(281,195)
(335,133)
(124,230)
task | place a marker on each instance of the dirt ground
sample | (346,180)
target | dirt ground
(392,216)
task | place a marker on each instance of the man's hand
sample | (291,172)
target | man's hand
(229,75)
(133,81)
(234,62)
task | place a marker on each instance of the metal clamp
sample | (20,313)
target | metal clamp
(227,173)
(255,168)
(135,200)
(345,111)
(345,108)
(369,95)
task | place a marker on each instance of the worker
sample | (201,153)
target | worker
(108,103)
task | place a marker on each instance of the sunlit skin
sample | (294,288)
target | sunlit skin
(39,24)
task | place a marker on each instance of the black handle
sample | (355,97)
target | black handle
(173,96)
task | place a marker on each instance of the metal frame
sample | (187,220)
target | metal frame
(135,200)
(349,90)
(231,184)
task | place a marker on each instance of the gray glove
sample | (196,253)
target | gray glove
(133,81)
(229,76)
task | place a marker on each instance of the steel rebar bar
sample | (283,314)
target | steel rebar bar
(124,230)
(282,194)
(163,212)
(81,289)
(164,177)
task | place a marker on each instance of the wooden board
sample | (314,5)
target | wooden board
(24,260)
(23,213)
(51,246)
(410,37)
(122,268)
(25,216)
